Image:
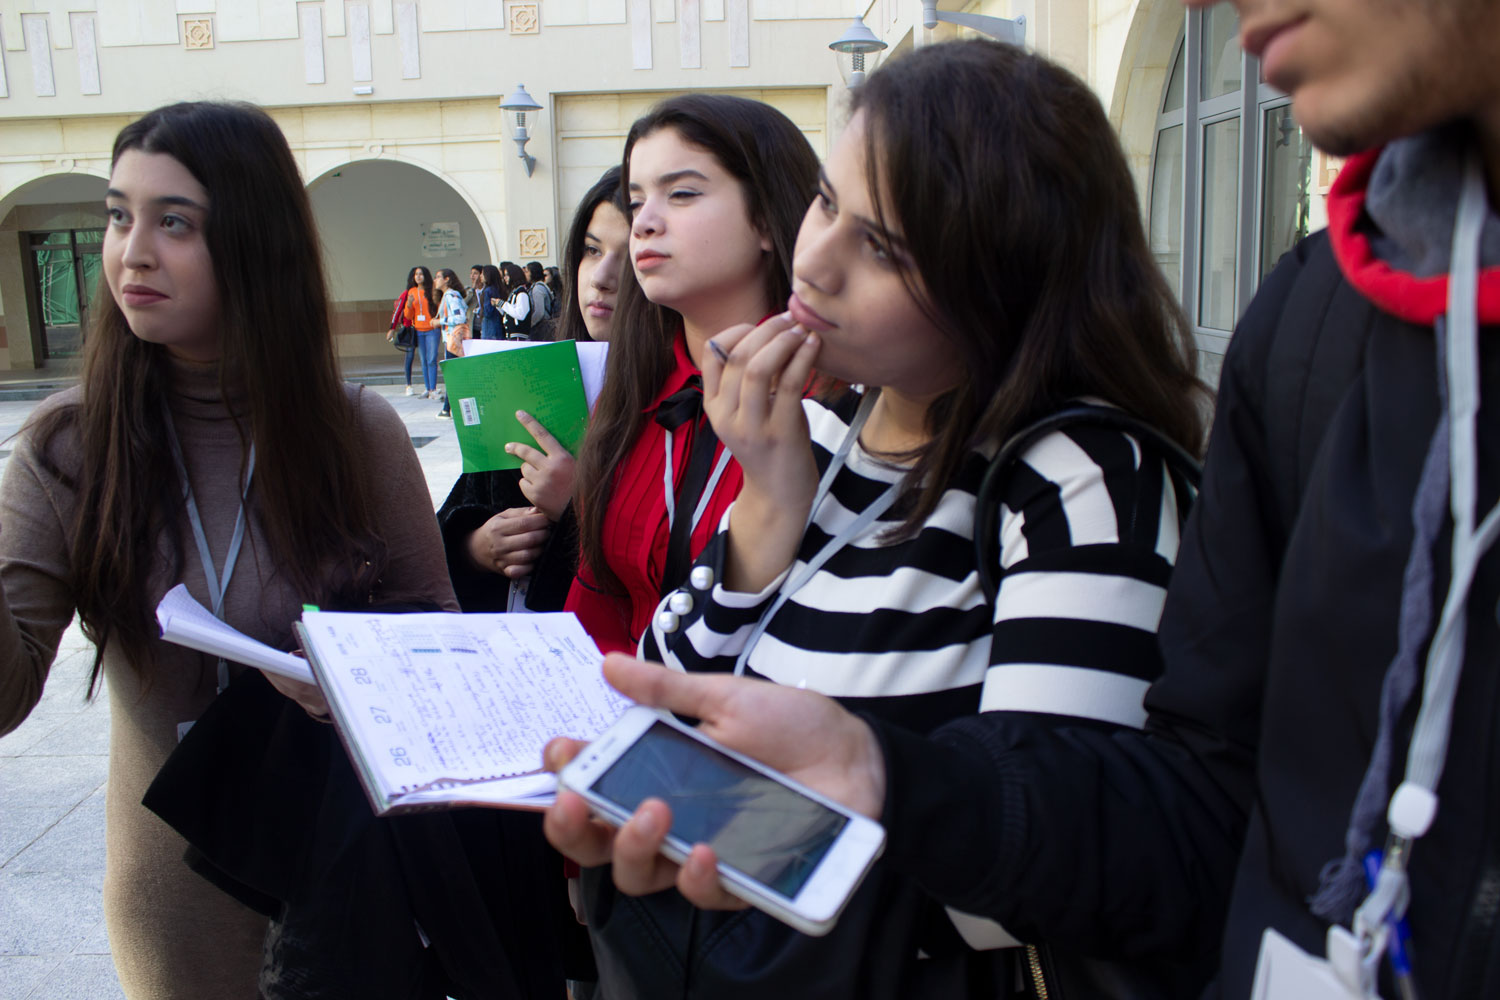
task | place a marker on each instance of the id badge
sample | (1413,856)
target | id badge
(515,601)
(1286,972)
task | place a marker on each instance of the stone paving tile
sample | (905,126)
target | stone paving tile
(48,781)
(48,912)
(20,975)
(65,693)
(84,734)
(80,977)
(74,843)
(29,733)
(22,825)
(95,942)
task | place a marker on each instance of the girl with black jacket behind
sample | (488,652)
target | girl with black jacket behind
(518,525)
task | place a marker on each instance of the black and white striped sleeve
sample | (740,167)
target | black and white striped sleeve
(701,626)
(1089,532)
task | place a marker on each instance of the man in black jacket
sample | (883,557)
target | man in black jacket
(1299,628)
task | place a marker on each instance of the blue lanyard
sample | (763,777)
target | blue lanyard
(798,578)
(217,586)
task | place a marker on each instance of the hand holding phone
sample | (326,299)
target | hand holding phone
(802,874)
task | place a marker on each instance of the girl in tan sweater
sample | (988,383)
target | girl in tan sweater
(210,443)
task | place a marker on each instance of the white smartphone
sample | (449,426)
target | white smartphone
(782,848)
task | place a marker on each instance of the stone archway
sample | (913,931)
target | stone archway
(376,219)
(1136,102)
(50,230)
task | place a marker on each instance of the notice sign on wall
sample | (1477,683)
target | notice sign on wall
(440,239)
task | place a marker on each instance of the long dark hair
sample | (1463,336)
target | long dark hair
(515,278)
(981,153)
(454,284)
(276,353)
(777,169)
(427,289)
(493,283)
(605,189)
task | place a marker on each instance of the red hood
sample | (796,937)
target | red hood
(1416,300)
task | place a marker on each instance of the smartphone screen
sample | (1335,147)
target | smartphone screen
(755,825)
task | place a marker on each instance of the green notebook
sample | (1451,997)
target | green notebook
(486,390)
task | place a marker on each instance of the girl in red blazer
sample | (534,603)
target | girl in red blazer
(716,188)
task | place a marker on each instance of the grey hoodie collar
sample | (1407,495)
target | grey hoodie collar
(1412,198)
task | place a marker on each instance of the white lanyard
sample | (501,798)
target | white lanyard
(708,489)
(217,586)
(1414,803)
(796,580)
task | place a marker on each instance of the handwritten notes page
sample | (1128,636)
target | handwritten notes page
(446,708)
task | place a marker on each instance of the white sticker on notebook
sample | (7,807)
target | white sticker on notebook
(469,408)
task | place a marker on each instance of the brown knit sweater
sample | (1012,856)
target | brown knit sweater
(172,934)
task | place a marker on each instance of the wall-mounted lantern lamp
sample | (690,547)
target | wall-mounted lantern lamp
(1004,29)
(521,103)
(858,50)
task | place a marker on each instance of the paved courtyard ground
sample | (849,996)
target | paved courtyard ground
(53,944)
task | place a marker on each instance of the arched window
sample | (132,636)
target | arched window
(1231,178)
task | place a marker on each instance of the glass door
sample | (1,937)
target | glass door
(66,266)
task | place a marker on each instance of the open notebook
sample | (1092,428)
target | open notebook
(435,710)
(451,710)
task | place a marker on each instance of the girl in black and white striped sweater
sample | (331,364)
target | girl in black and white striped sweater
(960,293)
(901,628)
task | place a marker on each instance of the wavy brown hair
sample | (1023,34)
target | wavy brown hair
(777,170)
(1008,185)
(276,352)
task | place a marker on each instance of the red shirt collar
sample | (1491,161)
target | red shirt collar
(682,370)
(682,367)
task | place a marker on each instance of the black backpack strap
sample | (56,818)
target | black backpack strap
(1184,468)
(1317,353)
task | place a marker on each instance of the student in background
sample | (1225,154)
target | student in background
(451,315)
(421,314)
(491,319)
(516,309)
(185,456)
(555,286)
(716,186)
(541,295)
(519,525)
(415,278)
(859,510)
(472,315)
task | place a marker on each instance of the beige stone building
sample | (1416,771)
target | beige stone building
(392,111)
